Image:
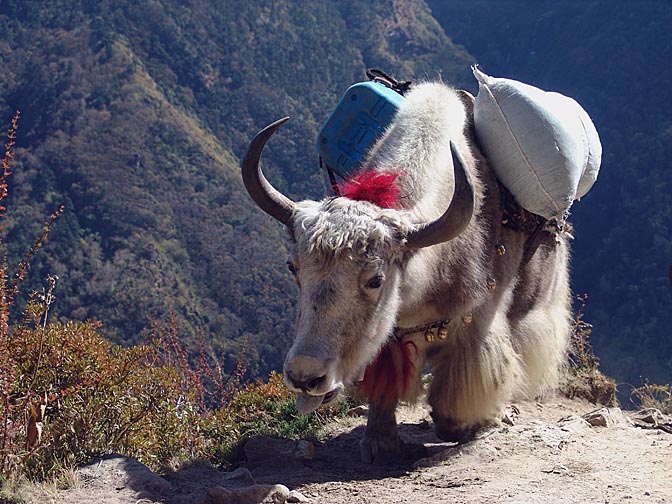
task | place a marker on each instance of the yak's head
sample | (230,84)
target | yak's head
(347,257)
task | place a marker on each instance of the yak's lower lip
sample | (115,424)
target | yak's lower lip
(306,403)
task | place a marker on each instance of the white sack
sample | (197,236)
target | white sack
(542,146)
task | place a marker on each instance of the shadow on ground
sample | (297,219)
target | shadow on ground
(338,459)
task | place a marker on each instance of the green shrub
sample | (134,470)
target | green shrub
(74,395)
(264,408)
(69,395)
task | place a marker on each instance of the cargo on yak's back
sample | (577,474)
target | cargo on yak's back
(542,145)
(360,117)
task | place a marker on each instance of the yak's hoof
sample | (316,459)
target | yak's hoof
(454,432)
(380,450)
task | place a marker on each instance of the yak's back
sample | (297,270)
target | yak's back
(417,143)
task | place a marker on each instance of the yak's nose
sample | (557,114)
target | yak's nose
(307,374)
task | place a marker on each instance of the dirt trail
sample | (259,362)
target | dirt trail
(550,455)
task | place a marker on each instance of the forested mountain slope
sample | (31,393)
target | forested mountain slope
(134,115)
(613,57)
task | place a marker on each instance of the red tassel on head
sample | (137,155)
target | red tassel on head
(377,188)
(388,378)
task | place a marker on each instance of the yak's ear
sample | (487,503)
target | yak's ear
(290,234)
(468,100)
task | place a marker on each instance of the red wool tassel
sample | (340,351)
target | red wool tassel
(388,378)
(377,188)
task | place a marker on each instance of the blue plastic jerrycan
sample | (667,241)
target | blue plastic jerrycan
(360,117)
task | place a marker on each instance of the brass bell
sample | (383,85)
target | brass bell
(492,283)
(443,333)
(429,336)
(468,318)
(500,249)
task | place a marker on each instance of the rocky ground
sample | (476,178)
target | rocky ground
(561,451)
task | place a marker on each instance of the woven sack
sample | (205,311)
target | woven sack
(542,145)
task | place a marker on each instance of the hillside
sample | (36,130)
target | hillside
(134,116)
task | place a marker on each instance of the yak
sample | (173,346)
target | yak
(425,262)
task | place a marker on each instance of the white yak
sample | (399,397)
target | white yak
(453,275)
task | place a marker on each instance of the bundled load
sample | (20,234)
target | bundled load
(542,145)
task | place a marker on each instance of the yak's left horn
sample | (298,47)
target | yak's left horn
(456,218)
(267,197)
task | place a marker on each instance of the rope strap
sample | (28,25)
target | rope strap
(399,333)
(378,75)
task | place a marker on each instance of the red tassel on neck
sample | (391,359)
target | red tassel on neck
(388,378)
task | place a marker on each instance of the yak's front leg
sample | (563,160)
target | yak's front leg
(381,443)
(473,379)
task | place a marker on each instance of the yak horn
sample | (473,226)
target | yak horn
(456,218)
(269,199)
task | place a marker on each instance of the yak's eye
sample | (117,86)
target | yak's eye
(376,282)
(291,267)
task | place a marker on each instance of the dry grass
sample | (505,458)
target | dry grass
(583,378)
(653,396)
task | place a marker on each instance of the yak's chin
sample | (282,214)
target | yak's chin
(306,403)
